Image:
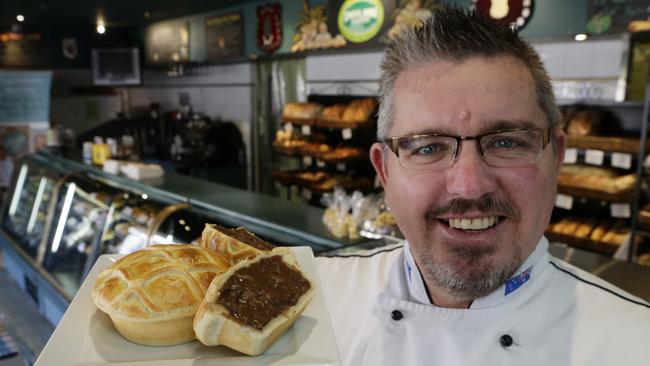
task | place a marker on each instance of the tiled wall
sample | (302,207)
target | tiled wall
(224,91)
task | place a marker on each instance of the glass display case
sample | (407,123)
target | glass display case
(78,225)
(26,212)
(183,225)
(61,215)
(130,219)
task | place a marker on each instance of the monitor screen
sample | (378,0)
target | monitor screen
(116,66)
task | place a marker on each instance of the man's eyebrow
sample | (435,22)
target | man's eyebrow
(507,124)
(488,126)
(430,131)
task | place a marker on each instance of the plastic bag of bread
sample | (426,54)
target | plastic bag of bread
(153,294)
(254,302)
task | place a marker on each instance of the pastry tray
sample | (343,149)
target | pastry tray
(86,336)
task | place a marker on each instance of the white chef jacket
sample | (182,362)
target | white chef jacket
(549,313)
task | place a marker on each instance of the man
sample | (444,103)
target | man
(469,154)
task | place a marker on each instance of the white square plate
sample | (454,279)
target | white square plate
(86,336)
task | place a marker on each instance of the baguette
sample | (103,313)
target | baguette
(257,315)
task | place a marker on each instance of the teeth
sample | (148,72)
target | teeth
(474,224)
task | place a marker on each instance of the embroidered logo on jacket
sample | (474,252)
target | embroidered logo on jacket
(514,283)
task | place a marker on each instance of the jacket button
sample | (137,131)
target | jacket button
(396,315)
(506,340)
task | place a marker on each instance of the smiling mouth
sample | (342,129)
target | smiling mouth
(477,224)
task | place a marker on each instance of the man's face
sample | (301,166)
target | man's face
(476,96)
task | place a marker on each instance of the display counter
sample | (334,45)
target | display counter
(61,215)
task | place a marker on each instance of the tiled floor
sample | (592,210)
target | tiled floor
(28,328)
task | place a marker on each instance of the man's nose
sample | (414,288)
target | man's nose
(469,176)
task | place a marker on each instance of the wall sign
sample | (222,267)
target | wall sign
(168,42)
(25,96)
(22,49)
(514,12)
(224,36)
(269,27)
(360,20)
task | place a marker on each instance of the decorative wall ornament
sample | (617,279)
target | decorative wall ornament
(312,31)
(516,13)
(69,48)
(269,27)
(411,13)
(360,20)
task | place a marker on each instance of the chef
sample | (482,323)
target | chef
(469,152)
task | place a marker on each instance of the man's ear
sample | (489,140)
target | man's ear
(377,151)
(560,148)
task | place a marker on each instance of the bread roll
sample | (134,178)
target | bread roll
(584,229)
(256,301)
(234,244)
(302,110)
(333,113)
(152,295)
(584,123)
(600,231)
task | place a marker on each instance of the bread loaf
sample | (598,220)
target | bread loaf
(302,110)
(152,295)
(254,302)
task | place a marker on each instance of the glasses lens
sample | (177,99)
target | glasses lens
(426,152)
(512,148)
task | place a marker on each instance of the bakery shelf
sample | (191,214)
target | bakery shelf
(624,196)
(322,181)
(644,220)
(583,243)
(343,124)
(289,151)
(300,121)
(611,144)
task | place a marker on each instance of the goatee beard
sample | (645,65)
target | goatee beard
(469,274)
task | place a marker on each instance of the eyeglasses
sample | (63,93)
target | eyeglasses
(509,148)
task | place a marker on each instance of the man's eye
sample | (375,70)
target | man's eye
(428,149)
(505,143)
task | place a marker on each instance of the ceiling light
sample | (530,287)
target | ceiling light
(20,18)
(580,37)
(101,29)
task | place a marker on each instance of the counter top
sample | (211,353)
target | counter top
(277,219)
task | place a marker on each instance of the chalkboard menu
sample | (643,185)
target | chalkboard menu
(22,49)
(224,36)
(168,42)
(25,96)
(613,16)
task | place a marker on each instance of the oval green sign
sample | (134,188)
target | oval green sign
(360,20)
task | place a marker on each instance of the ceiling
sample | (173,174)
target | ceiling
(116,13)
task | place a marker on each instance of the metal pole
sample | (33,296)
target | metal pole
(639,174)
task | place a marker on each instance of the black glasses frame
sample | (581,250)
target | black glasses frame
(393,142)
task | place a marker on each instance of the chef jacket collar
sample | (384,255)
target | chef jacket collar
(526,273)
